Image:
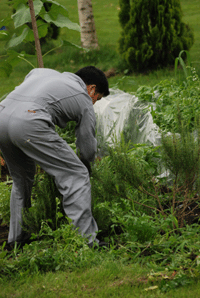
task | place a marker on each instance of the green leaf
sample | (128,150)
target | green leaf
(183,66)
(59,215)
(23,15)
(30,35)
(5,69)
(58,5)
(3,254)
(15,40)
(4,35)
(15,3)
(70,44)
(42,30)
(5,21)
(6,66)
(54,11)
(13,57)
(61,21)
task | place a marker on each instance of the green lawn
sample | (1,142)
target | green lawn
(108,32)
(111,279)
(191,12)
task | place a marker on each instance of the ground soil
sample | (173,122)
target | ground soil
(3,232)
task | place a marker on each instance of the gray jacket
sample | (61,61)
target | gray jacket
(64,96)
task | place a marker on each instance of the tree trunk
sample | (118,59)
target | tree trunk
(86,20)
(36,36)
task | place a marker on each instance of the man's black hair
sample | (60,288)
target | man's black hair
(94,76)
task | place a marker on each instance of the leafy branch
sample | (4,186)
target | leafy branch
(34,12)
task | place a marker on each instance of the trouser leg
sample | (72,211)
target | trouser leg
(22,170)
(54,155)
(72,180)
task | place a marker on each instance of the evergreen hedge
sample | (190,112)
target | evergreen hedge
(153,33)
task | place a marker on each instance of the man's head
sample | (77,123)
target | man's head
(96,82)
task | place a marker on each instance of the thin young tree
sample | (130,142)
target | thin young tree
(36,36)
(87,24)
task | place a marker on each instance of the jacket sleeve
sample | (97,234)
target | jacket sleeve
(86,142)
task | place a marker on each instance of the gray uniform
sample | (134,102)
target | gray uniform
(27,136)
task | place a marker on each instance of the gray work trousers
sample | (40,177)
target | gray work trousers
(27,137)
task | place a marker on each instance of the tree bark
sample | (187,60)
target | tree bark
(36,36)
(87,24)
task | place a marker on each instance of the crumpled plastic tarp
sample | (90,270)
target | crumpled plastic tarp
(122,112)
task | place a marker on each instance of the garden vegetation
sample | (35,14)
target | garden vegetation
(153,33)
(145,200)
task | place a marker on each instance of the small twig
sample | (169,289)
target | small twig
(146,192)
(186,214)
(26,61)
(144,205)
(161,208)
(174,193)
(152,195)
(52,50)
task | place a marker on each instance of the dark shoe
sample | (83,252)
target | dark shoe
(8,246)
(19,245)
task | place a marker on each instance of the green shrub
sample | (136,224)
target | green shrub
(153,33)
(116,182)
(129,179)
(68,133)
(5,192)
(57,251)
(174,105)
(51,29)
(139,228)
(45,205)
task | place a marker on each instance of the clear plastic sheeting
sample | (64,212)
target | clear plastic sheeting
(122,112)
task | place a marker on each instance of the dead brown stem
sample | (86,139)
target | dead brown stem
(144,205)
(156,197)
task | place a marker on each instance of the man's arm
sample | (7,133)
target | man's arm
(86,142)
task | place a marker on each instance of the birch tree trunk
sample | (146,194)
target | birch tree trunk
(87,24)
(36,36)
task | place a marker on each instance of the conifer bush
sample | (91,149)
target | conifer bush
(153,33)
(44,205)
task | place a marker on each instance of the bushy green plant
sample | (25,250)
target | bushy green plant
(60,249)
(52,30)
(68,133)
(153,33)
(181,155)
(140,228)
(45,205)
(48,14)
(5,192)
(132,174)
(174,104)
(117,181)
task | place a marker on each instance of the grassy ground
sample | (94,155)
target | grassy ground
(108,32)
(110,279)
